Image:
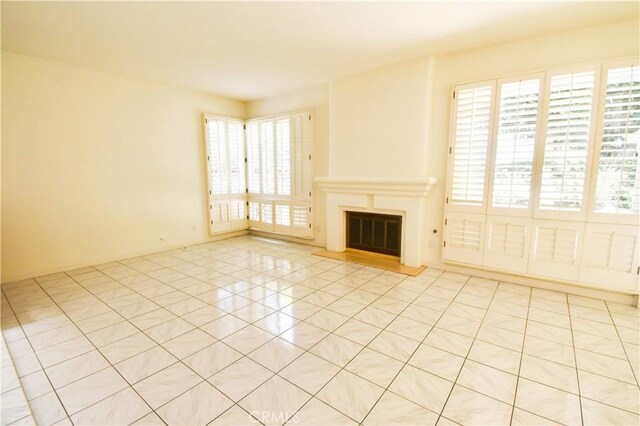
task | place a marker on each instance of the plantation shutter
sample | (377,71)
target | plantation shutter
(226,174)
(464,237)
(301,132)
(612,258)
(254,169)
(566,146)
(267,157)
(514,144)
(556,249)
(283,155)
(618,181)
(470,147)
(217,155)
(507,243)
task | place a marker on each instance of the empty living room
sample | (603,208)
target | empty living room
(327,213)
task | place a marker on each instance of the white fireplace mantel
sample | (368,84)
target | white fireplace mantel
(404,187)
(403,197)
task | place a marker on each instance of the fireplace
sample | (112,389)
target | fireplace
(398,197)
(379,233)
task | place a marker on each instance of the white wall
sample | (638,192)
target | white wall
(379,122)
(591,44)
(97,167)
(316,99)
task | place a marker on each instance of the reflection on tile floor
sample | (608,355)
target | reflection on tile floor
(249,331)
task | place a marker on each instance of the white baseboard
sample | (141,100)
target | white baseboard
(70,267)
(564,287)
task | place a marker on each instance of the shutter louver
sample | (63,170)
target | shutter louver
(566,145)
(618,182)
(254,211)
(266,213)
(283,215)
(515,142)
(470,145)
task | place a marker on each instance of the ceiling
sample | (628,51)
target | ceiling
(251,50)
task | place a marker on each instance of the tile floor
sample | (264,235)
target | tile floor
(249,331)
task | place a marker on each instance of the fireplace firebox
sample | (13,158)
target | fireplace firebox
(379,233)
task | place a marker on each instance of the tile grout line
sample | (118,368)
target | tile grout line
(524,342)
(575,357)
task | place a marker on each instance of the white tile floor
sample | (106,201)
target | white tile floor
(249,330)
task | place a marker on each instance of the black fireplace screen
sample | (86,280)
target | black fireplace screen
(378,233)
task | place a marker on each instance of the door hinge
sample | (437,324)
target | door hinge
(447,200)
(212,222)
(247,204)
(206,120)
(445,244)
(208,158)
(309,193)
(244,127)
(454,94)
(245,159)
(247,217)
(246,190)
(309,117)
(638,271)
(309,209)
(449,150)
(309,156)
(309,226)
(445,221)
(210,206)
(209,192)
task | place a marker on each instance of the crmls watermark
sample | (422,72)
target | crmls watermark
(272,417)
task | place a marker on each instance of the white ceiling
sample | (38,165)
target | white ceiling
(251,50)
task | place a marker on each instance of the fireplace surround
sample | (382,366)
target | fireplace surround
(400,197)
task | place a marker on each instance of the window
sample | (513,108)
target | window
(558,157)
(618,183)
(226,173)
(269,189)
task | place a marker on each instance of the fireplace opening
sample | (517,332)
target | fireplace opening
(379,233)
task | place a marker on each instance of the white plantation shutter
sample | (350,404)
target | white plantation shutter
(301,135)
(283,155)
(266,213)
(566,147)
(515,142)
(470,145)
(217,155)
(254,168)
(618,181)
(556,249)
(267,157)
(226,174)
(254,211)
(237,182)
(464,237)
(507,243)
(612,258)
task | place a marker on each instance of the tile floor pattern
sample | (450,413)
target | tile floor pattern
(249,330)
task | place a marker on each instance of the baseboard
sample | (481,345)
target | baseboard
(39,273)
(564,287)
(305,241)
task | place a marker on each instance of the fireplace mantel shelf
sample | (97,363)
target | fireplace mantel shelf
(402,187)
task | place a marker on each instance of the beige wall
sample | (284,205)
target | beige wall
(379,122)
(316,99)
(96,166)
